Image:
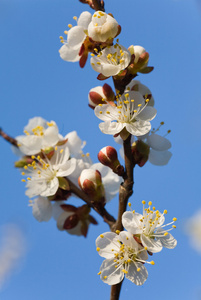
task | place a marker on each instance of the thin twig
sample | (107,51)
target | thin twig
(100,209)
(8,138)
(98,5)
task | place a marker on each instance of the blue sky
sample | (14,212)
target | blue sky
(36,82)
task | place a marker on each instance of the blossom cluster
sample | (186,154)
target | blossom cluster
(126,252)
(50,163)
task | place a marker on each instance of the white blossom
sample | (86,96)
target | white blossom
(40,134)
(75,37)
(111,60)
(150,229)
(102,27)
(43,174)
(124,257)
(131,113)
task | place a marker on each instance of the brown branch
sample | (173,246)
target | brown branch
(100,209)
(125,191)
(95,4)
(98,5)
(8,138)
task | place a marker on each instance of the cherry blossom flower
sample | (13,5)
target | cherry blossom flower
(102,27)
(40,134)
(131,113)
(43,174)
(124,257)
(111,60)
(149,228)
(75,38)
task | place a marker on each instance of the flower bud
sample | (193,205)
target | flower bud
(102,27)
(75,220)
(140,152)
(100,95)
(108,157)
(140,60)
(96,96)
(90,182)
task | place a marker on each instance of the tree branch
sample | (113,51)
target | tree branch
(8,138)
(125,191)
(99,208)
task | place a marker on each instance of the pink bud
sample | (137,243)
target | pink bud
(108,157)
(91,183)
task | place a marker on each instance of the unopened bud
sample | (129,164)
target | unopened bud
(91,183)
(108,157)
(103,27)
(140,152)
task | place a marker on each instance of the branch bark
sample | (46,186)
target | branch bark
(125,191)
(8,138)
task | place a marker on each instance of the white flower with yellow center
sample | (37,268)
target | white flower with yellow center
(149,228)
(43,174)
(40,134)
(124,257)
(102,27)
(75,37)
(111,60)
(130,112)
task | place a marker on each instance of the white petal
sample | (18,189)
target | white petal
(42,209)
(113,275)
(152,245)
(111,127)
(106,112)
(159,158)
(107,243)
(137,277)
(167,241)
(51,187)
(69,53)
(67,168)
(74,143)
(51,136)
(76,36)
(131,222)
(84,19)
(34,122)
(138,128)
(147,114)
(30,144)
(158,142)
